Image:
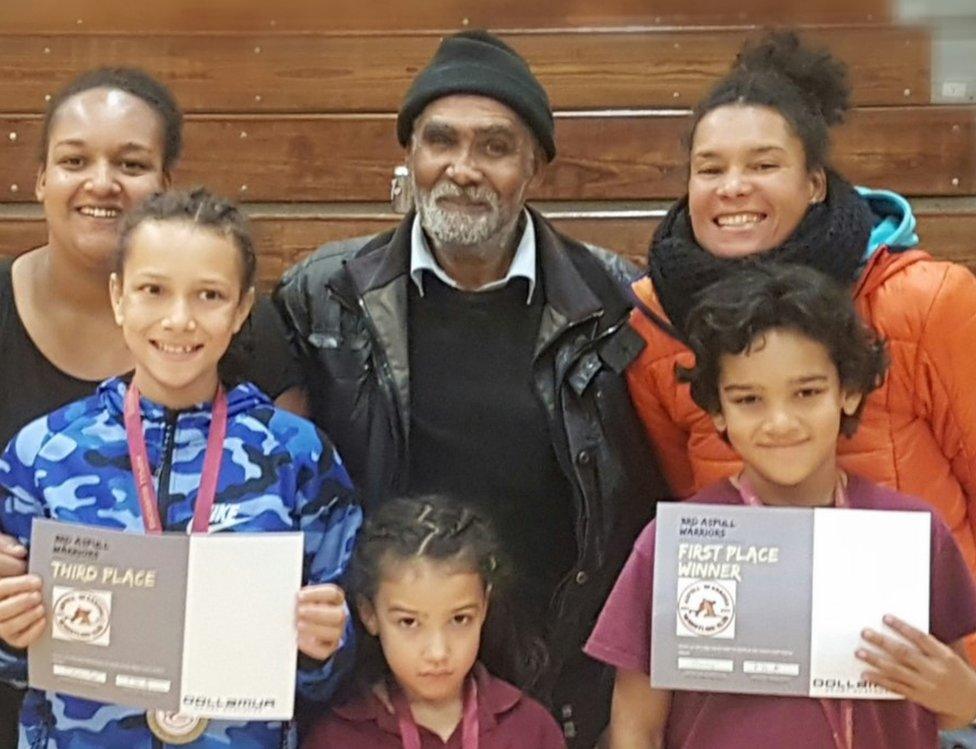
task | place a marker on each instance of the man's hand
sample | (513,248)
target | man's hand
(13,557)
(321,620)
(924,670)
(22,618)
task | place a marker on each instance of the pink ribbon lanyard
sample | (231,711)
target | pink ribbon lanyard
(842,726)
(410,734)
(749,497)
(843,734)
(148,500)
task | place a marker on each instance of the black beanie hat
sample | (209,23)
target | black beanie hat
(476,62)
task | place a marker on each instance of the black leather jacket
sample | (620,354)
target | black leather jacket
(347,304)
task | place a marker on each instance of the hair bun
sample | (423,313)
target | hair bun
(820,76)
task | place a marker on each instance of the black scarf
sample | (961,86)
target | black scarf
(831,238)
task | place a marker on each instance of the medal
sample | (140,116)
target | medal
(174,728)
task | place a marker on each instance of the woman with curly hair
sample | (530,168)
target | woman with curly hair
(761,188)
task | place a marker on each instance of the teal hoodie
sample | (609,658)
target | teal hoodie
(894,222)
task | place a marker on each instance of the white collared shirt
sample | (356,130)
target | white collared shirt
(523,263)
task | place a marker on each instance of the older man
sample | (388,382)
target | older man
(475,351)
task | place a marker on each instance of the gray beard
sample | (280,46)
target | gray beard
(456,228)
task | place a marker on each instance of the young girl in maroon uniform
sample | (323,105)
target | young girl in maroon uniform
(422,576)
(783,365)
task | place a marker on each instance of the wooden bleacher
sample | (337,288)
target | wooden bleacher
(291,108)
(350,16)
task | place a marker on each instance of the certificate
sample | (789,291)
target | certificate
(768,600)
(203,625)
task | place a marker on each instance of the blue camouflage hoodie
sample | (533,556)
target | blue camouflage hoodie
(278,473)
(894,222)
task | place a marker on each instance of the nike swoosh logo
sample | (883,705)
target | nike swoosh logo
(221,526)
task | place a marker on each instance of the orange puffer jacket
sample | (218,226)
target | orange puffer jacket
(918,431)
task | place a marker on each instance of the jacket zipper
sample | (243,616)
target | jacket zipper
(165,466)
(162,490)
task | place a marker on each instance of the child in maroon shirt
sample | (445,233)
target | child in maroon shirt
(422,575)
(783,365)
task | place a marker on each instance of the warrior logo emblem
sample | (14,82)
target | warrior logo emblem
(82,615)
(706,608)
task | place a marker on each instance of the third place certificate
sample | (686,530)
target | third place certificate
(203,625)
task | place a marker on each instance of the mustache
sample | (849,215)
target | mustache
(474,193)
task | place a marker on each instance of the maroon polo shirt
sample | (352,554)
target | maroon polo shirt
(713,720)
(507,719)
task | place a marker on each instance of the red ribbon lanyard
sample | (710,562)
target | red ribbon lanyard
(410,734)
(143,475)
(843,733)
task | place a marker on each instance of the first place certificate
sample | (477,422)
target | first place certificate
(773,600)
(203,625)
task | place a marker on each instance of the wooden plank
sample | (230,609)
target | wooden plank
(18,235)
(320,74)
(628,236)
(872,150)
(282,240)
(950,236)
(913,150)
(343,16)
(634,156)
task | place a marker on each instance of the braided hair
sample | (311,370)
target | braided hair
(437,528)
(201,208)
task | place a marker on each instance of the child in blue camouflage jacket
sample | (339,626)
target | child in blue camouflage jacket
(183,286)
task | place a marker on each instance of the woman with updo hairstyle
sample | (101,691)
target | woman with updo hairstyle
(111,138)
(761,188)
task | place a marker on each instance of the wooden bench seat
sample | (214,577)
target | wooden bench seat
(917,151)
(315,73)
(338,16)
